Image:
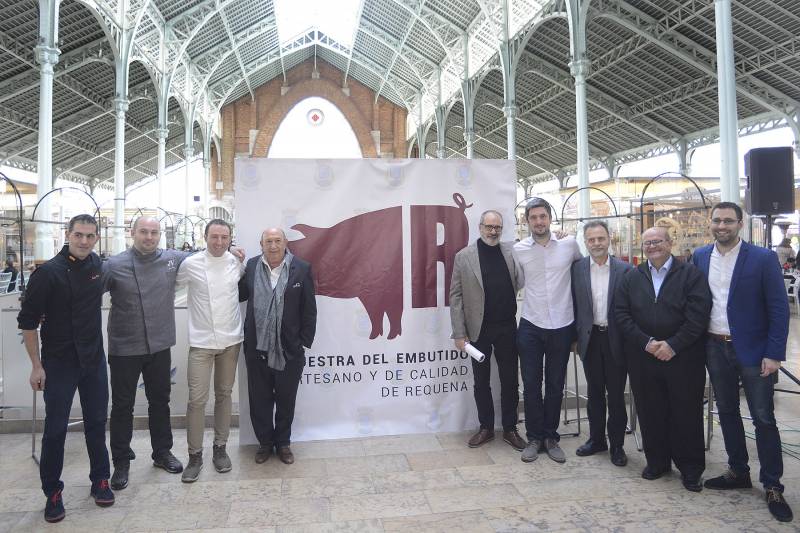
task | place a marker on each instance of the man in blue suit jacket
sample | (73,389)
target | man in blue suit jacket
(746,341)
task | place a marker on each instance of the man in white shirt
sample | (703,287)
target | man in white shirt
(546,329)
(215,335)
(746,344)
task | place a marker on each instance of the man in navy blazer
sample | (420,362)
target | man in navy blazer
(746,342)
(594,280)
(280,324)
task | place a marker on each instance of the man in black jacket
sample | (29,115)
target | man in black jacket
(64,296)
(663,308)
(281,322)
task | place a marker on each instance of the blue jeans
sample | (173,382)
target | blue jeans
(726,371)
(63,377)
(543,354)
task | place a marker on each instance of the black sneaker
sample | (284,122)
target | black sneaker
(120,478)
(168,462)
(729,480)
(101,492)
(777,506)
(54,508)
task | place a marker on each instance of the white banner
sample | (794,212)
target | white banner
(381,236)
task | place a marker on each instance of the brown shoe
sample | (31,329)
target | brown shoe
(513,439)
(263,453)
(480,438)
(285,455)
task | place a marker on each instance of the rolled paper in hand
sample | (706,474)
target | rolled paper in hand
(474,353)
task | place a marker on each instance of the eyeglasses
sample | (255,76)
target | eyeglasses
(649,244)
(493,228)
(724,221)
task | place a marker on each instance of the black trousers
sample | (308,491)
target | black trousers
(605,374)
(503,338)
(273,391)
(669,402)
(125,371)
(64,377)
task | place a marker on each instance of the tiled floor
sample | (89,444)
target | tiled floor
(417,483)
(407,483)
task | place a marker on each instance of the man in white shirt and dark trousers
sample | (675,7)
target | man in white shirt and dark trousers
(215,335)
(546,329)
(746,343)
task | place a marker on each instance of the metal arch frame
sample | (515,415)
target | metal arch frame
(597,97)
(749,65)
(206,16)
(96,210)
(398,49)
(107,148)
(133,220)
(141,210)
(529,198)
(20,221)
(242,38)
(580,219)
(746,85)
(299,44)
(760,123)
(181,221)
(555,136)
(67,62)
(397,52)
(706,205)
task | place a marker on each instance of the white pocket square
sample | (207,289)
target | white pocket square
(296,285)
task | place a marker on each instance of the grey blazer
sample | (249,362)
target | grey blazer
(466,289)
(582,302)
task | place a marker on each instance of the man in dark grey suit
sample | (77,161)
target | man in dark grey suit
(594,280)
(483,310)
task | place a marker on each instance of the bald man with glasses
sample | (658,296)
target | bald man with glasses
(662,308)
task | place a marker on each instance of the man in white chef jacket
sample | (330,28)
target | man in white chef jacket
(215,335)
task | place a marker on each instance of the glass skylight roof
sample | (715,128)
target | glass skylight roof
(336,19)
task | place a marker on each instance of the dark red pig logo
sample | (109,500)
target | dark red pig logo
(362,257)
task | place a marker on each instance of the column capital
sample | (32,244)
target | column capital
(121,105)
(580,67)
(469,135)
(46,55)
(188,151)
(206,164)
(162,133)
(511,111)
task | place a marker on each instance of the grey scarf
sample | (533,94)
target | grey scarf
(268,308)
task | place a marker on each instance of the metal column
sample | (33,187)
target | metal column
(579,70)
(188,153)
(47,56)
(468,96)
(120,108)
(726,88)
(162,133)
(441,137)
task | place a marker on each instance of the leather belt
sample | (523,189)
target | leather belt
(601,329)
(723,338)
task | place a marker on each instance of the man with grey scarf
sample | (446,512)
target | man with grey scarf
(281,322)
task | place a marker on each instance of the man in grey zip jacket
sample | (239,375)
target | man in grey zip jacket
(141,331)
